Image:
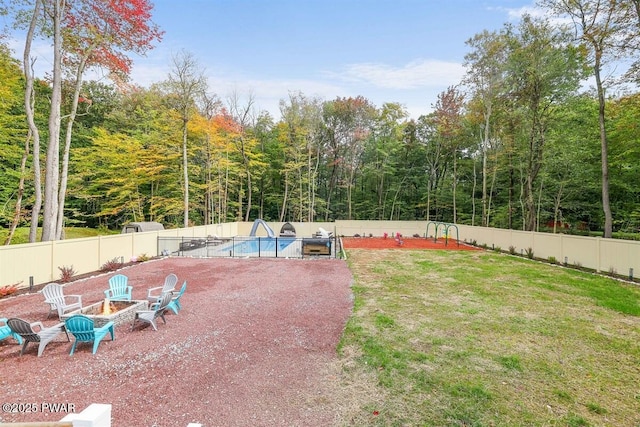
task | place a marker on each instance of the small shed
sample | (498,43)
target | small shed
(139,227)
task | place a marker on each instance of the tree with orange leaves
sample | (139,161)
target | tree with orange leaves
(86,34)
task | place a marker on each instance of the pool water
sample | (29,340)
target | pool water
(259,246)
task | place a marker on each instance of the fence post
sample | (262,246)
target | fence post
(94,415)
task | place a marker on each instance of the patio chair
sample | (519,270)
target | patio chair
(35,332)
(58,301)
(6,332)
(156,310)
(84,330)
(174,304)
(154,294)
(119,289)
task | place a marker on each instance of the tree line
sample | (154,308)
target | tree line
(518,143)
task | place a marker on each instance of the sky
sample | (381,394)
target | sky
(404,51)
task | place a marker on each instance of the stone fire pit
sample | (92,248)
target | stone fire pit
(120,312)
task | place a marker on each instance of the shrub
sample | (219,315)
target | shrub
(66,273)
(111,265)
(7,290)
(143,258)
(552,260)
(497,249)
(512,250)
(530,253)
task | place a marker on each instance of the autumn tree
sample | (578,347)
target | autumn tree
(127,172)
(570,173)
(485,79)
(600,25)
(298,135)
(99,34)
(346,124)
(85,34)
(624,133)
(246,147)
(14,160)
(207,155)
(382,160)
(448,122)
(186,85)
(543,69)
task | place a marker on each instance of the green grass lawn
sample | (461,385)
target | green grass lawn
(444,338)
(22,234)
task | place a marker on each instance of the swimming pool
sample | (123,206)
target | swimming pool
(251,246)
(247,247)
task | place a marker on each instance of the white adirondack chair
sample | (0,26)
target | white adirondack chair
(58,301)
(154,294)
(157,309)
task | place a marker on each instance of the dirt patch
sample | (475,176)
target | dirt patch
(404,243)
(254,345)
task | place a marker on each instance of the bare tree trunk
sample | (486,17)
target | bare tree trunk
(67,148)
(428,199)
(185,173)
(332,184)
(208,194)
(52,164)
(301,202)
(187,82)
(224,201)
(493,184)
(485,145)
(606,206)
(537,228)
(284,197)
(312,186)
(249,194)
(556,205)
(455,163)
(350,186)
(27,64)
(240,198)
(473,192)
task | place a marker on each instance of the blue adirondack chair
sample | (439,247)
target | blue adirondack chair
(6,332)
(119,289)
(82,328)
(174,305)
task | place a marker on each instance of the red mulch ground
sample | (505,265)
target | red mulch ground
(252,346)
(407,243)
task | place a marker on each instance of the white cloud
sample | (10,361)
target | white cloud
(145,73)
(517,14)
(415,74)
(267,93)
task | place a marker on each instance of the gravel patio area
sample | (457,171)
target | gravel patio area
(253,346)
